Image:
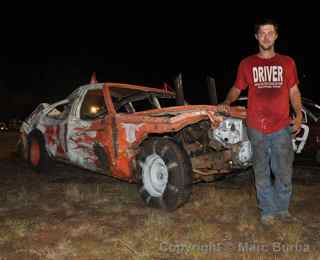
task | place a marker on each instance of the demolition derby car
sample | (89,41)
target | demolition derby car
(308,141)
(149,136)
(138,134)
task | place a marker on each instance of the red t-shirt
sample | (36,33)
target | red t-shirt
(269,81)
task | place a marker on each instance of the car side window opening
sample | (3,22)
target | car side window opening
(93,105)
(141,102)
(125,108)
(60,112)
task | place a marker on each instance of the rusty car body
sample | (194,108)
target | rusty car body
(138,134)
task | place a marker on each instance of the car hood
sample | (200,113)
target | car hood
(178,110)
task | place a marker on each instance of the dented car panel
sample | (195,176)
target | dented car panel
(97,137)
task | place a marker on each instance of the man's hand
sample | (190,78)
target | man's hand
(295,99)
(232,96)
(223,108)
(296,124)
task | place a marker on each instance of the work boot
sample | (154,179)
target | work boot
(286,217)
(269,220)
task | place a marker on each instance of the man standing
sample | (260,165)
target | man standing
(273,85)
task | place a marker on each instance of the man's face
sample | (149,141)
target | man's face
(266,37)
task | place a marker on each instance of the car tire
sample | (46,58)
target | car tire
(164,174)
(38,157)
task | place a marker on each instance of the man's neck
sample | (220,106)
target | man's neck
(266,54)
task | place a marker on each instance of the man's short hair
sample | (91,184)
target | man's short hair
(265,21)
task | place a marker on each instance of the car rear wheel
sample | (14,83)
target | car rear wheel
(164,174)
(38,157)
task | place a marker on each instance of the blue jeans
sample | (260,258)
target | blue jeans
(272,152)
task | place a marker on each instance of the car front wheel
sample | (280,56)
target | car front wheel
(38,157)
(164,174)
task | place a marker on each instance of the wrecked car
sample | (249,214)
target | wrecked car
(138,134)
(307,144)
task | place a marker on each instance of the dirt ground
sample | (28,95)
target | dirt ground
(74,214)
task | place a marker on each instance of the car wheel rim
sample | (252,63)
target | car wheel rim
(154,175)
(35,153)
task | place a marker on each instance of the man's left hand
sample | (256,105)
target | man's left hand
(296,124)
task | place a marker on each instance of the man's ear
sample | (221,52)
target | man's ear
(256,36)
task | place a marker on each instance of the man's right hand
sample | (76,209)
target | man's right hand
(223,108)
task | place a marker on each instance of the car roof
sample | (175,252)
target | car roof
(123,90)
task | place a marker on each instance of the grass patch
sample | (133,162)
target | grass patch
(13,229)
(18,197)
(100,193)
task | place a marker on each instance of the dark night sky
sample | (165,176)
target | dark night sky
(44,58)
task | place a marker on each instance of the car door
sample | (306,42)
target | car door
(85,128)
(54,127)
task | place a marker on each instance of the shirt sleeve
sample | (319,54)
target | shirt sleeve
(241,80)
(292,75)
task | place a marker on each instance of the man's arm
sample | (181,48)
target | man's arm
(232,96)
(295,99)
